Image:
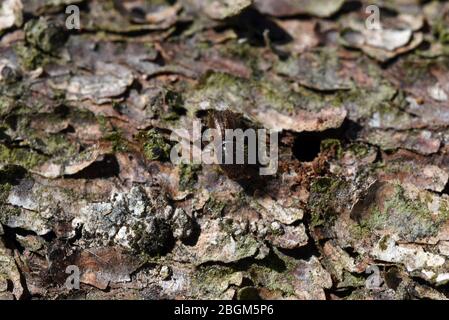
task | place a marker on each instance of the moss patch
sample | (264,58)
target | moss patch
(155,147)
(9,176)
(22,157)
(332,145)
(327,196)
(409,218)
(119,144)
(152,240)
(30,57)
(214,207)
(188,175)
(45,35)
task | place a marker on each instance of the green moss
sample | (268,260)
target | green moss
(9,176)
(444,210)
(409,218)
(359,150)
(119,144)
(398,167)
(289,67)
(103,122)
(23,157)
(327,195)
(155,147)
(248,293)
(175,104)
(383,243)
(43,39)
(54,145)
(153,241)
(243,52)
(214,207)
(58,145)
(277,96)
(114,136)
(7,211)
(217,80)
(366,101)
(30,57)
(275,272)
(332,145)
(5,188)
(240,94)
(392,116)
(6,104)
(351,281)
(188,175)
(314,101)
(210,88)
(167,104)
(322,185)
(359,232)
(44,34)
(415,69)
(377,220)
(212,279)
(440,30)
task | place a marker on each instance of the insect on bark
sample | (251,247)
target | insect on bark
(222,121)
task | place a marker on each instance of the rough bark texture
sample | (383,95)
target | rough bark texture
(359,208)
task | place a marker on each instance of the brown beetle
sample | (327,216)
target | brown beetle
(226,119)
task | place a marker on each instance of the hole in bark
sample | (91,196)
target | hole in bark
(307,146)
(393,278)
(446,189)
(49,237)
(106,168)
(10,237)
(193,239)
(248,293)
(251,25)
(304,253)
(350,6)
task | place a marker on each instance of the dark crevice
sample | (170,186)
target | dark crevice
(446,189)
(350,6)
(49,237)
(11,243)
(393,278)
(251,24)
(310,249)
(145,266)
(246,282)
(272,261)
(304,252)
(78,235)
(248,293)
(339,293)
(106,168)
(307,145)
(10,235)
(12,174)
(193,239)
(11,240)
(352,253)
